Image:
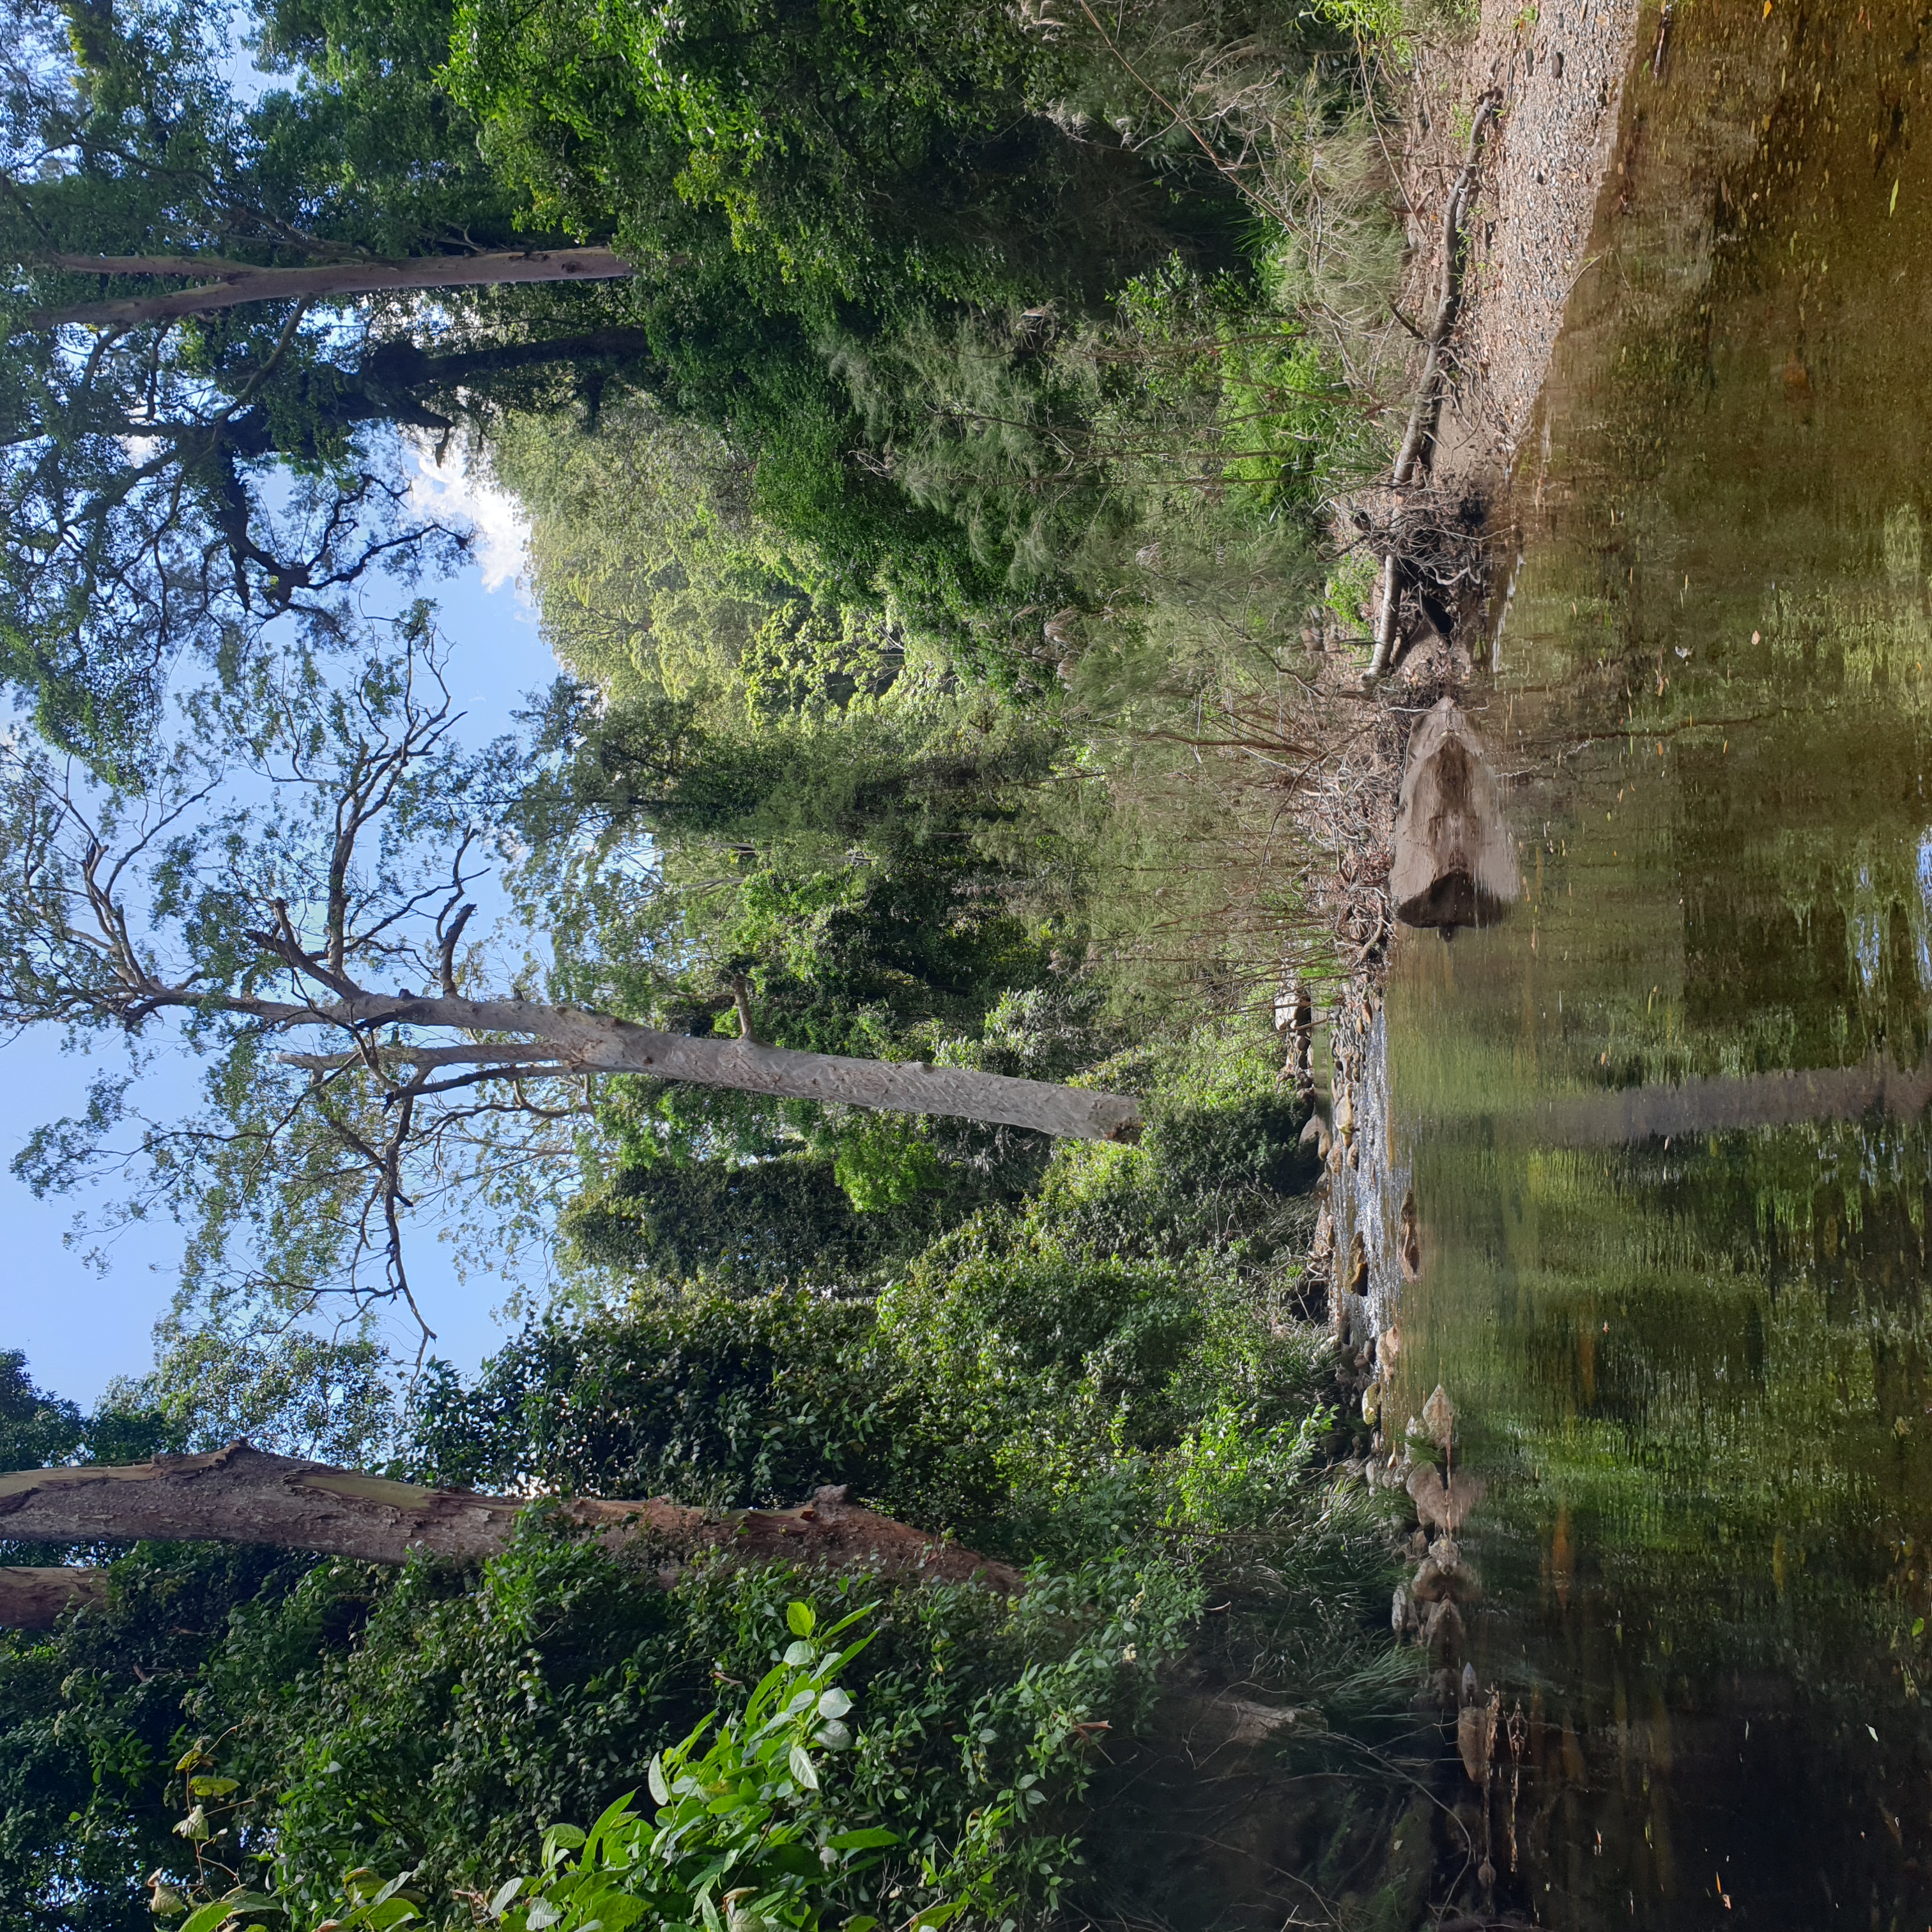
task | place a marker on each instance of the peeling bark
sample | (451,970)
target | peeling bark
(241,1495)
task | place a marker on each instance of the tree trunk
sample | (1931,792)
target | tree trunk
(580,1042)
(33,1599)
(239,283)
(241,1495)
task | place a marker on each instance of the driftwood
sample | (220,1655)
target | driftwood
(241,1495)
(1455,862)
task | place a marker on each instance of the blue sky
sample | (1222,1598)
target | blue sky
(79,1328)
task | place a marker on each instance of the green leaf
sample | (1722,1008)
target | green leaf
(613,1815)
(213,1787)
(655,1778)
(801,1619)
(833,1703)
(504,1892)
(863,1841)
(801,1768)
(385,1913)
(207,1917)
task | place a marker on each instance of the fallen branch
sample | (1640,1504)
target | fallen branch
(241,1495)
(1416,454)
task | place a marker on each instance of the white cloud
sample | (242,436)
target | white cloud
(455,494)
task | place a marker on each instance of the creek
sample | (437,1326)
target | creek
(1680,1299)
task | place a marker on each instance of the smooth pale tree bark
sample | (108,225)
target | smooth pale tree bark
(236,283)
(241,1495)
(575,1041)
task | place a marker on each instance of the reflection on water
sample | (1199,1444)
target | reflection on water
(1667,1124)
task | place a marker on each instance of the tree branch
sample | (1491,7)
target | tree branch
(240,284)
(241,1495)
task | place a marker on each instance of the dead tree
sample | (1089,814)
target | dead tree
(241,1495)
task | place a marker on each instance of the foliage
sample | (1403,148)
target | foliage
(91,1715)
(283,1388)
(744,1824)
(1040,1377)
(315,823)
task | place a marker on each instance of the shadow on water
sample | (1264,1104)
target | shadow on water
(1666,1126)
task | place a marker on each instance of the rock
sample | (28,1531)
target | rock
(1442,1630)
(1439,1419)
(1442,1505)
(1455,862)
(1444,1574)
(1475,1739)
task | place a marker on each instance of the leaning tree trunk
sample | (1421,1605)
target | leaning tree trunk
(575,1041)
(241,1495)
(236,283)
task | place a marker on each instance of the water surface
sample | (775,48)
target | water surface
(1684,1317)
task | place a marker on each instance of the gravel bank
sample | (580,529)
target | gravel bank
(1561,67)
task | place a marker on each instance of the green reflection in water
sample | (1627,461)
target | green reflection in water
(1699,1372)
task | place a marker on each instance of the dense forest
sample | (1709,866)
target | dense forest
(842,1015)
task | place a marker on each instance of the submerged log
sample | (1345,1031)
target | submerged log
(241,1495)
(1455,862)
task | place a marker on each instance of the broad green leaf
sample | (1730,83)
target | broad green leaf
(613,1815)
(507,1890)
(655,1778)
(801,1619)
(833,1703)
(863,1841)
(801,1768)
(845,1623)
(206,1918)
(213,1787)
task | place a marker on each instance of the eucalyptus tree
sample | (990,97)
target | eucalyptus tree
(295,886)
(214,311)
